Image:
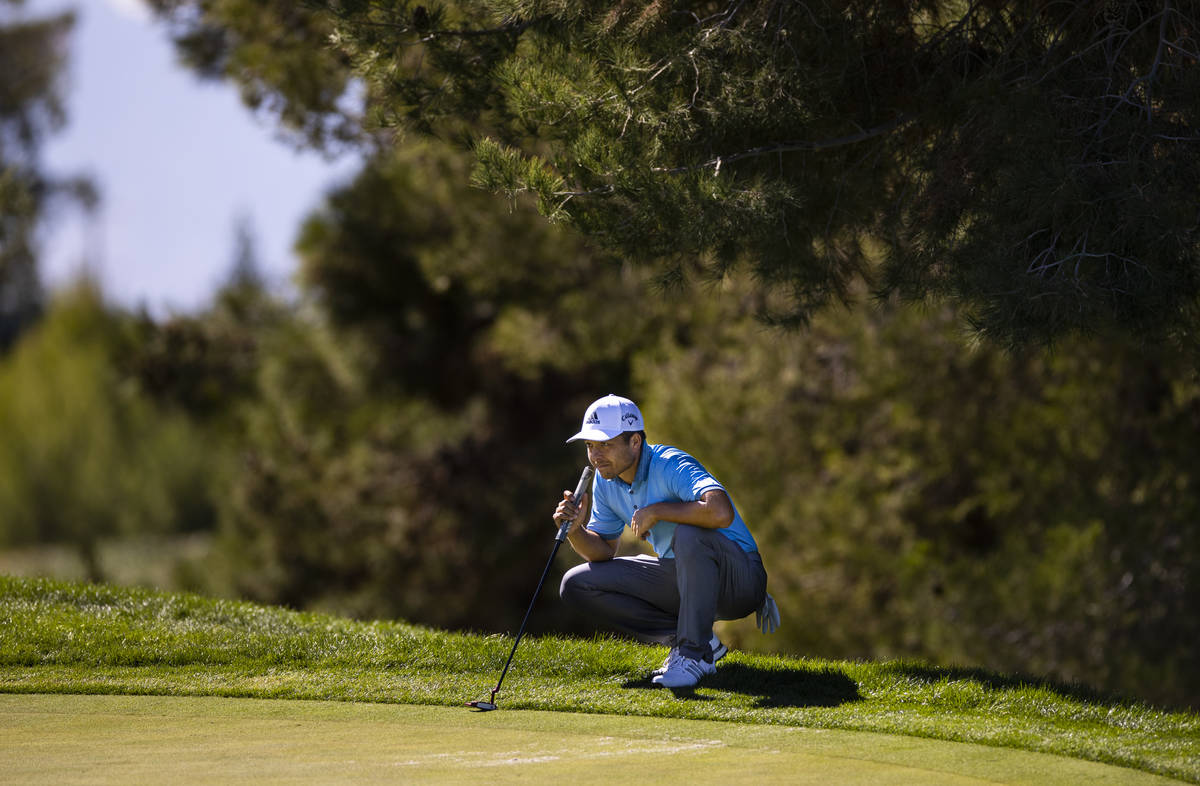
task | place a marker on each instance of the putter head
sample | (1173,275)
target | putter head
(482,706)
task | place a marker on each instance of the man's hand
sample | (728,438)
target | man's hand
(567,510)
(586,543)
(711,511)
(643,520)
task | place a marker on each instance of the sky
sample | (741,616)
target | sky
(178,163)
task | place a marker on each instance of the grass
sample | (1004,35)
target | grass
(58,637)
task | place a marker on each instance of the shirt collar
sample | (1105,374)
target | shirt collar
(643,470)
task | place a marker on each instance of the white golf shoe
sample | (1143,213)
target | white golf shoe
(719,651)
(684,672)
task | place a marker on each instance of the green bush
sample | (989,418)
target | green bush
(918,496)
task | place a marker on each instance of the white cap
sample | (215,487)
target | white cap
(609,417)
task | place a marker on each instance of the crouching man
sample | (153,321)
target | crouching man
(706,567)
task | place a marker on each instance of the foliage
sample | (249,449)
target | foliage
(403,429)
(398,437)
(1031,162)
(917,497)
(277,53)
(397,441)
(203,365)
(32,54)
(85,455)
(914,495)
(58,637)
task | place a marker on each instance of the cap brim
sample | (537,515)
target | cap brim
(594,435)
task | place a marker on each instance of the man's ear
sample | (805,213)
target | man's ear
(635,441)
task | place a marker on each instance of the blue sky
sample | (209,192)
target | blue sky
(177,162)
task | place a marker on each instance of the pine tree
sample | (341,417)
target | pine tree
(1034,162)
(32,54)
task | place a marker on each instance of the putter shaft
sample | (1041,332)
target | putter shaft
(581,488)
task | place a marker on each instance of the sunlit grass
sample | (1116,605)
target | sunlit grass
(75,638)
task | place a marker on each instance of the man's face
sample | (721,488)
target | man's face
(615,456)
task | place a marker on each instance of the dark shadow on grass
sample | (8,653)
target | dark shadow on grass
(924,672)
(773,687)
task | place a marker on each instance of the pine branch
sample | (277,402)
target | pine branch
(416,26)
(792,147)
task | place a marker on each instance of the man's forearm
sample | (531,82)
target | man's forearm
(589,545)
(713,511)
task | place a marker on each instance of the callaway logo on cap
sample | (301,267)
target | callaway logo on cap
(608,417)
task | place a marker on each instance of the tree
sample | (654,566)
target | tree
(32,54)
(204,364)
(86,455)
(405,425)
(277,52)
(915,496)
(1031,161)
(918,497)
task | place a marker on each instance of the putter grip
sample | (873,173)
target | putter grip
(585,480)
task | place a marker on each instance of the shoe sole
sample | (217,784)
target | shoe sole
(660,683)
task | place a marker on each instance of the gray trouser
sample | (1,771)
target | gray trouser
(671,601)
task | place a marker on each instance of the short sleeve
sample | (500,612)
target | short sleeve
(689,479)
(604,521)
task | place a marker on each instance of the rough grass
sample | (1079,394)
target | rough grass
(58,637)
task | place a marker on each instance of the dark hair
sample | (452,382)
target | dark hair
(628,435)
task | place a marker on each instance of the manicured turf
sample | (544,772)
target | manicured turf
(153,739)
(75,638)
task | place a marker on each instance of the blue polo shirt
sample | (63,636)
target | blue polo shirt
(664,474)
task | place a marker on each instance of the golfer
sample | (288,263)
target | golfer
(706,567)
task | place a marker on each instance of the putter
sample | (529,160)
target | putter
(584,481)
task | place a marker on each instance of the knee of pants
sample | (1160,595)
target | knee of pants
(688,538)
(571,587)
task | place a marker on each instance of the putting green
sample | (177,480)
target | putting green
(143,739)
